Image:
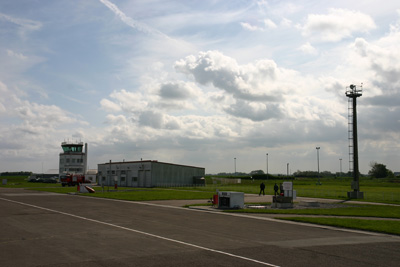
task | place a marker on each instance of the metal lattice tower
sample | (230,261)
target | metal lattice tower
(352,93)
(350,134)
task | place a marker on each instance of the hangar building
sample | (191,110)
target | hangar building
(149,173)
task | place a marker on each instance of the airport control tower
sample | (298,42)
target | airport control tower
(73,159)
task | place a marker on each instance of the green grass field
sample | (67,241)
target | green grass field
(375,190)
(134,194)
(22,182)
(380,226)
(345,210)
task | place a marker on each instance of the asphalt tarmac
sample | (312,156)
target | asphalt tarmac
(47,229)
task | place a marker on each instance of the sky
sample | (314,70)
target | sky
(211,83)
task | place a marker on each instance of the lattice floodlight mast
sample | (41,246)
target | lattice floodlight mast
(352,93)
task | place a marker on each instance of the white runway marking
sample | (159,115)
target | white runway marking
(144,233)
(30,194)
(252,217)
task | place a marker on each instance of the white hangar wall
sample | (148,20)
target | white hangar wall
(147,174)
(164,174)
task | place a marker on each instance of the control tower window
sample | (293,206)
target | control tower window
(72,148)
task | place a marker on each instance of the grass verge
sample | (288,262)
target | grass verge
(346,210)
(145,194)
(380,226)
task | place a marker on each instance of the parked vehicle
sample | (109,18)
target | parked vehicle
(73,179)
(52,180)
(49,180)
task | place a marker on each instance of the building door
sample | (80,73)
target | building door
(148,178)
(142,178)
(123,180)
(134,182)
(128,178)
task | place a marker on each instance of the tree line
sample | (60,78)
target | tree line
(21,173)
(378,170)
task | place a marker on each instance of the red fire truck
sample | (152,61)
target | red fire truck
(72,179)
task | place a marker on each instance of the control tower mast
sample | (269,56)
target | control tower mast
(352,93)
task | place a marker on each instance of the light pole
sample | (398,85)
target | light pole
(287,170)
(340,167)
(234,159)
(267,165)
(318,163)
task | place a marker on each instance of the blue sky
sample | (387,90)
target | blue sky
(199,82)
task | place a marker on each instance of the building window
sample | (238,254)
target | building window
(123,172)
(135,179)
(73,160)
(67,160)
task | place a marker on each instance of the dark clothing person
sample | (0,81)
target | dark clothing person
(276,188)
(262,187)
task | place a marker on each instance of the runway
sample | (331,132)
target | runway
(47,229)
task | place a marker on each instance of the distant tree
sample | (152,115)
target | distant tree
(257,172)
(263,176)
(378,170)
(308,174)
(327,174)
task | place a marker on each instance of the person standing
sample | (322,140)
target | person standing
(262,187)
(276,188)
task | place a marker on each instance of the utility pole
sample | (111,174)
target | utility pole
(235,165)
(352,93)
(319,182)
(287,169)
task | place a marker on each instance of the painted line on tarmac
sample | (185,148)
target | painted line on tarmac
(144,233)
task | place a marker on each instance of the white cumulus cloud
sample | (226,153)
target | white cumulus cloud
(337,25)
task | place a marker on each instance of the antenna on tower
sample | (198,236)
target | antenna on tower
(352,92)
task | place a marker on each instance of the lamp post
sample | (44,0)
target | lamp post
(318,163)
(234,159)
(340,167)
(287,169)
(267,165)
